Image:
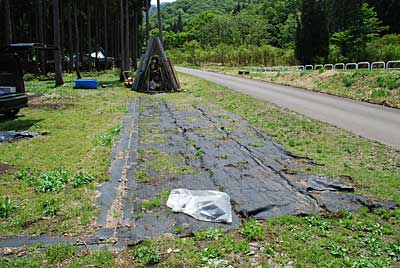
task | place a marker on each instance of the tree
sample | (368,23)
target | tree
(312,38)
(57,43)
(8,22)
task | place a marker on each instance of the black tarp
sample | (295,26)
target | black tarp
(259,175)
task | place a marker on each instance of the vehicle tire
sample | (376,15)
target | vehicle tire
(12,113)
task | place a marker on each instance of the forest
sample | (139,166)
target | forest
(281,32)
(79,28)
(231,32)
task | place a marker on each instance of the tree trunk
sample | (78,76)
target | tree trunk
(77,42)
(147,22)
(89,32)
(42,55)
(135,39)
(8,29)
(160,22)
(57,43)
(70,41)
(105,35)
(127,39)
(122,40)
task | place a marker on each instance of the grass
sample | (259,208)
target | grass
(73,121)
(363,239)
(379,87)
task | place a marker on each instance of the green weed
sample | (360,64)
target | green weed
(6,207)
(50,207)
(378,93)
(147,253)
(253,230)
(209,234)
(59,252)
(106,139)
(81,179)
(52,181)
(347,81)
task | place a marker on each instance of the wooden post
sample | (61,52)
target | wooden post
(160,22)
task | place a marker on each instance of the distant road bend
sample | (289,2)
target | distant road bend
(368,120)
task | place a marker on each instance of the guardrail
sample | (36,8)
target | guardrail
(368,66)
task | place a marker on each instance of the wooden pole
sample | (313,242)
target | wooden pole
(160,22)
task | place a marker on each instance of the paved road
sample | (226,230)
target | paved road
(368,120)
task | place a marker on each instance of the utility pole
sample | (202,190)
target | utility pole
(160,22)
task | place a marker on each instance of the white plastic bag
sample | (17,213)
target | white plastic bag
(211,206)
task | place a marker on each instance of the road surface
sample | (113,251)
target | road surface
(368,120)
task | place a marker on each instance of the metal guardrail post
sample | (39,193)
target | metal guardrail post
(309,68)
(377,63)
(329,67)
(318,66)
(364,63)
(337,65)
(393,62)
(351,64)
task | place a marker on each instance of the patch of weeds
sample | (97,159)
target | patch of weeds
(378,93)
(50,207)
(199,153)
(59,252)
(321,70)
(318,222)
(81,179)
(107,138)
(253,230)
(147,253)
(143,176)
(209,234)
(257,144)
(338,250)
(210,253)
(52,181)
(179,230)
(6,207)
(347,81)
(96,259)
(151,204)
(28,176)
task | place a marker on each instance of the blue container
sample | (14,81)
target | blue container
(86,84)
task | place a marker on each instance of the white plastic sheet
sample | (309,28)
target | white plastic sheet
(211,206)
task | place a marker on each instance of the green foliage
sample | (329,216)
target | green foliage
(209,234)
(50,207)
(59,252)
(6,207)
(348,81)
(108,137)
(81,179)
(147,253)
(253,230)
(28,176)
(52,181)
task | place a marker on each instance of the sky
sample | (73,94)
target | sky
(154,2)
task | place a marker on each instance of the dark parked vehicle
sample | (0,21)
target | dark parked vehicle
(12,89)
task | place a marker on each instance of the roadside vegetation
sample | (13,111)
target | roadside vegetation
(48,185)
(364,239)
(378,87)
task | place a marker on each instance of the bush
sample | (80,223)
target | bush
(6,207)
(253,230)
(146,253)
